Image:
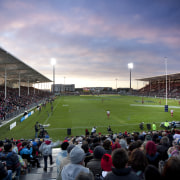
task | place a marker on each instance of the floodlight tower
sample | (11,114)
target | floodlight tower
(130,66)
(53,63)
(165,61)
(116,83)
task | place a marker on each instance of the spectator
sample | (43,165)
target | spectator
(152,155)
(163,147)
(4,173)
(152,173)
(65,161)
(138,162)
(46,150)
(62,154)
(106,164)
(116,145)
(173,151)
(36,128)
(1,146)
(88,155)
(72,170)
(11,159)
(171,169)
(107,146)
(95,164)
(123,143)
(120,160)
(26,153)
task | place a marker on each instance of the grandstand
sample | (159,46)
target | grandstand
(157,86)
(16,86)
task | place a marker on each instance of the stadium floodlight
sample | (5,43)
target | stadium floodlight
(130,66)
(53,63)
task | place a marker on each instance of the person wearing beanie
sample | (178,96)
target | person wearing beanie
(95,164)
(72,170)
(61,155)
(106,164)
(46,150)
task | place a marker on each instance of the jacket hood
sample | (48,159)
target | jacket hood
(47,142)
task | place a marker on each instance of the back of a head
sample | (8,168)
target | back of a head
(151,172)
(7,147)
(99,151)
(107,144)
(119,158)
(70,147)
(171,168)
(85,147)
(138,160)
(77,155)
(151,148)
(123,143)
(1,143)
(64,145)
(164,140)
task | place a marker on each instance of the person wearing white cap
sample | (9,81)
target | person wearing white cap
(70,171)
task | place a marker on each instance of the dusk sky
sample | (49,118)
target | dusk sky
(93,40)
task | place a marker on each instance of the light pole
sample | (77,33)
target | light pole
(53,62)
(165,61)
(116,83)
(130,66)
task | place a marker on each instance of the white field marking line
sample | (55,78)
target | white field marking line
(50,114)
(154,105)
(96,126)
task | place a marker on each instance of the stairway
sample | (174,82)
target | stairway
(39,174)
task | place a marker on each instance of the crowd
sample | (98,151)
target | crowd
(14,102)
(143,156)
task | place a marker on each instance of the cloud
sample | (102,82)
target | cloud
(93,39)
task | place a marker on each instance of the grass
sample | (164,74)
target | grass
(81,112)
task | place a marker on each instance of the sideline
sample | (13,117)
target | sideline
(51,113)
(177,107)
(2,123)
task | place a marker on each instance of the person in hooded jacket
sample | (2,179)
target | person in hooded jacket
(73,169)
(46,150)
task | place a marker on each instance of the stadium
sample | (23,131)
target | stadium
(89,90)
(30,114)
(18,79)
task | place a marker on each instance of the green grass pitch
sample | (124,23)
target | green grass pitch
(81,112)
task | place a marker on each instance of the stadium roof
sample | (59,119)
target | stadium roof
(162,78)
(14,67)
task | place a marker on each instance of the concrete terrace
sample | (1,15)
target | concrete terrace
(39,174)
